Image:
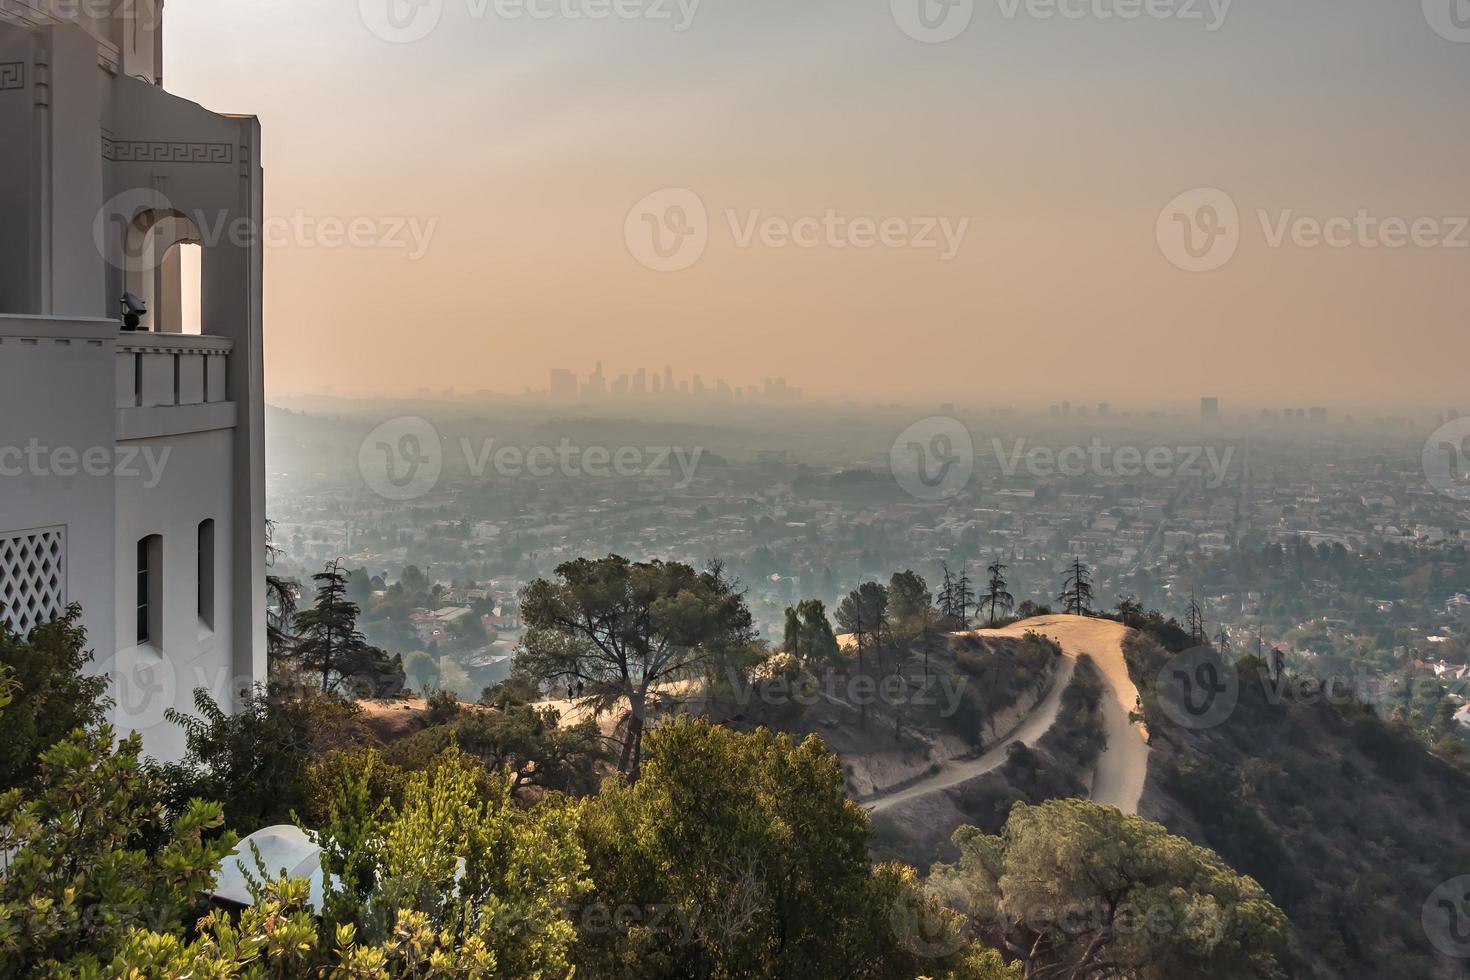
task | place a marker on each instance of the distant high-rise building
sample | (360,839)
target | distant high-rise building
(668,379)
(1209,408)
(658,384)
(596,385)
(563,385)
(1066,409)
(640,381)
(1103,409)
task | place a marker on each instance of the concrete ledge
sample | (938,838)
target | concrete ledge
(144,342)
(57,327)
(159,421)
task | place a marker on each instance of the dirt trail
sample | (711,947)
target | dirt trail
(1122,767)
(952,774)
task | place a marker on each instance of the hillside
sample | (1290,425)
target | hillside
(1349,822)
(1078,741)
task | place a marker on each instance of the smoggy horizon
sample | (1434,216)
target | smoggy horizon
(1203,199)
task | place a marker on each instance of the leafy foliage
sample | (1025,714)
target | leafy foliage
(94,857)
(752,856)
(527,741)
(1083,890)
(54,698)
(255,760)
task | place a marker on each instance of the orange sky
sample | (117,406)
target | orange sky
(516,146)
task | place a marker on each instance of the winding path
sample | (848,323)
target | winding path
(1122,767)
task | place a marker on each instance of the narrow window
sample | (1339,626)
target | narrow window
(150,588)
(206,573)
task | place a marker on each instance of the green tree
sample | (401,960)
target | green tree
(624,628)
(909,595)
(254,760)
(864,614)
(523,740)
(1074,889)
(53,700)
(743,857)
(328,642)
(91,856)
(809,635)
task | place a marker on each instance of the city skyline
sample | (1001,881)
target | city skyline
(524,173)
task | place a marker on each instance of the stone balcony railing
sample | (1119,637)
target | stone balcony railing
(170,383)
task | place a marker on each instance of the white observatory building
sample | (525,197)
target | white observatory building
(131,461)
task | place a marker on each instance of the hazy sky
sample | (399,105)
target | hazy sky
(516,138)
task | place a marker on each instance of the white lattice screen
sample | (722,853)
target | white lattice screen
(32,577)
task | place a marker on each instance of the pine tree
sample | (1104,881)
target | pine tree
(964,596)
(996,598)
(1076,596)
(947,596)
(1195,617)
(328,640)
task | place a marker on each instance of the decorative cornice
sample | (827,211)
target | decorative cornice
(12,75)
(166,151)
